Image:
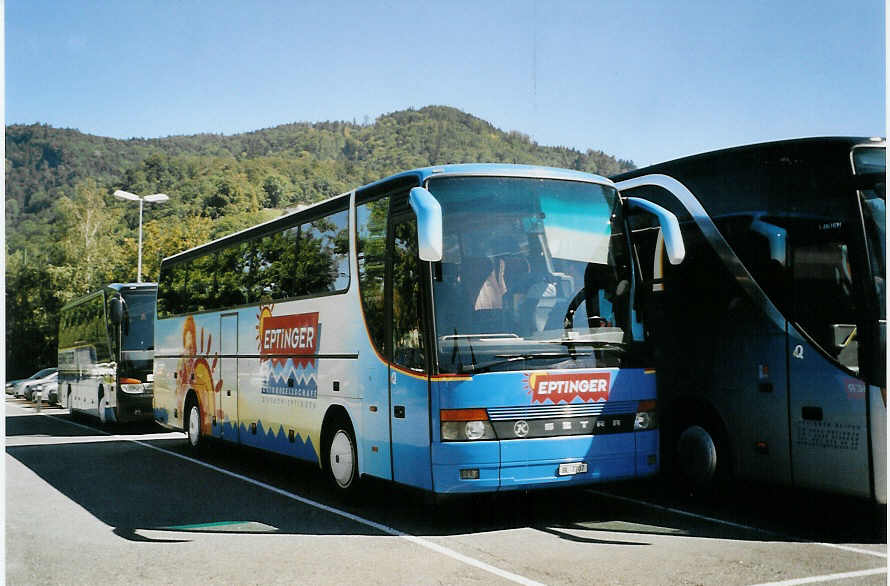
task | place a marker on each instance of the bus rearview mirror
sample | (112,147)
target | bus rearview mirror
(429,224)
(670,228)
(116,310)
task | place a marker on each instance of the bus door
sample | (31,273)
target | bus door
(829,401)
(227,398)
(408,380)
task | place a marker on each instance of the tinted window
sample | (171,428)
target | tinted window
(84,325)
(137,328)
(307,259)
(371,220)
(407,301)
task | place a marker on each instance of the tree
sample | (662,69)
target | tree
(273,187)
(163,238)
(91,251)
(31,314)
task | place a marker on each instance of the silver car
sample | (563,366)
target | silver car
(10,385)
(45,389)
(23,385)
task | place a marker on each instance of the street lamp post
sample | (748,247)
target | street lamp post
(153,198)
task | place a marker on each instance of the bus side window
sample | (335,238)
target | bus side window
(172,289)
(371,219)
(407,302)
(823,298)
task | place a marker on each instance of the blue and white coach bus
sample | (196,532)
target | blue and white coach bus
(771,336)
(463,328)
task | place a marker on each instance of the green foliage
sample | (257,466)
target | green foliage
(32,308)
(67,236)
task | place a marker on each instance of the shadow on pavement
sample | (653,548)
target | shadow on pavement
(131,488)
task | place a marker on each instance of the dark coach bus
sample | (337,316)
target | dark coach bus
(771,335)
(106,352)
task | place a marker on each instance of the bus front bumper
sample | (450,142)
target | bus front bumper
(134,407)
(535,463)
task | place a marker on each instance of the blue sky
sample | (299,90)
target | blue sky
(641,80)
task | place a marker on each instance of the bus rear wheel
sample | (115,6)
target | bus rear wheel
(101,406)
(342,459)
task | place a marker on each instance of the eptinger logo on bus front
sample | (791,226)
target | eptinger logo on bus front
(590,386)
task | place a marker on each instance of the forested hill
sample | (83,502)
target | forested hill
(66,235)
(43,163)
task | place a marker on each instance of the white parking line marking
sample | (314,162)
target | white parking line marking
(373,524)
(39,440)
(851,548)
(827,578)
(735,525)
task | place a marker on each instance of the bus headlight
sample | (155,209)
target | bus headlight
(645,418)
(131,385)
(465,425)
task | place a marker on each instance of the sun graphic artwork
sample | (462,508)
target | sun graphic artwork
(196,369)
(529,381)
(265,313)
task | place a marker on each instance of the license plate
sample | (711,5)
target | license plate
(570,468)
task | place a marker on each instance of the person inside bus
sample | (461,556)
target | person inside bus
(491,294)
(482,281)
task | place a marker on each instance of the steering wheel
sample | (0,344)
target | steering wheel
(593,321)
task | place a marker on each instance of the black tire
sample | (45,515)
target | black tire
(341,458)
(192,425)
(72,413)
(701,457)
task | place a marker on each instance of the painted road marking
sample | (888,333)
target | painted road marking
(38,440)
(361,520)
(827,578)
(735,525)
(477,563)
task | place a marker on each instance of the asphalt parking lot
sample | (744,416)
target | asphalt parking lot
(125,505)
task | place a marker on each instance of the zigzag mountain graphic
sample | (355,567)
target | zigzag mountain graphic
(273,441)
(289,379)
(271,371)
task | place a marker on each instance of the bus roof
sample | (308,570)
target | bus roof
(122,286)
(495,169)
(825,141)
(416,176)
(114,286)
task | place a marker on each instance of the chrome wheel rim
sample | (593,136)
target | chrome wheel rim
(194,425)
(341,457)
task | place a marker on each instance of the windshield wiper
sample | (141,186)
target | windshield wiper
(598,344)
(506,359)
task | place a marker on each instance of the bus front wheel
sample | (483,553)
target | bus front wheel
(699,453)
(342,458)
(193,426)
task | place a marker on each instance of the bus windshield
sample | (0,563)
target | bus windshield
(870,165)
(137,328)
(534,274)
